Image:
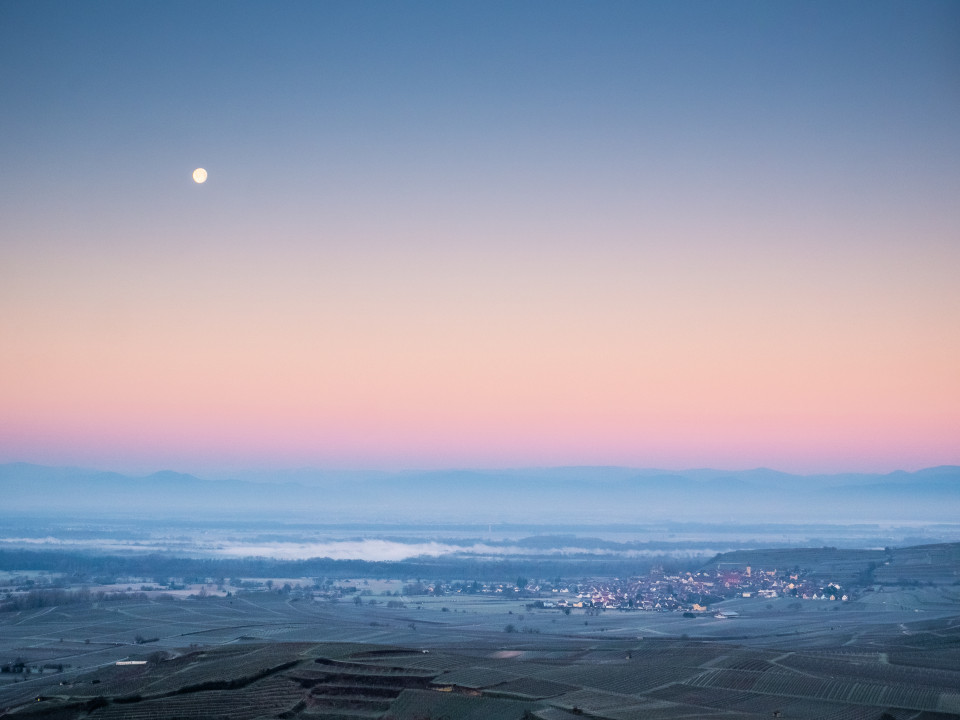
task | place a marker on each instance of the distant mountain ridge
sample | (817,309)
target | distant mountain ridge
(593,494)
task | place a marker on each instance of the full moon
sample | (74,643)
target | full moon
(199,175)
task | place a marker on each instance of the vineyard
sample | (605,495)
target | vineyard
(653,680)
(264,655)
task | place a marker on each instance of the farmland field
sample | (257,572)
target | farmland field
(275,654)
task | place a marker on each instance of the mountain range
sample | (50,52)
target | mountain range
(563,494)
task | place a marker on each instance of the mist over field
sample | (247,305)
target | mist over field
(548,513)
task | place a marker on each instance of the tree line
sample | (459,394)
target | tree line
(50,597)
(90,567)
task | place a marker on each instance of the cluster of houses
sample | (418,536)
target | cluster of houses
(659,591)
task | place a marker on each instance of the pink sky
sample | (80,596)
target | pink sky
(733,244)
(275,358)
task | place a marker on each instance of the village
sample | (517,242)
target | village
(691,592)
(658,591)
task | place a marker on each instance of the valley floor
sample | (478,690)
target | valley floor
(269,655)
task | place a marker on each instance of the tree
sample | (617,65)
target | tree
(155,658)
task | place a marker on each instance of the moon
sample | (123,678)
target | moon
(199,176)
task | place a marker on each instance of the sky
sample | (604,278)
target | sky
(480,234)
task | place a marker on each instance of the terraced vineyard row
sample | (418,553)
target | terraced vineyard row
(342,689)
(530,688)
(670,653)
(203,668)
(475,677)
(872,671)
(594,700)
(847,691)
(625,679)
(418,704)
(267,697)
(686,712)
(425,662)
(945,659)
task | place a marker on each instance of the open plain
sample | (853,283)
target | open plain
(893,652)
